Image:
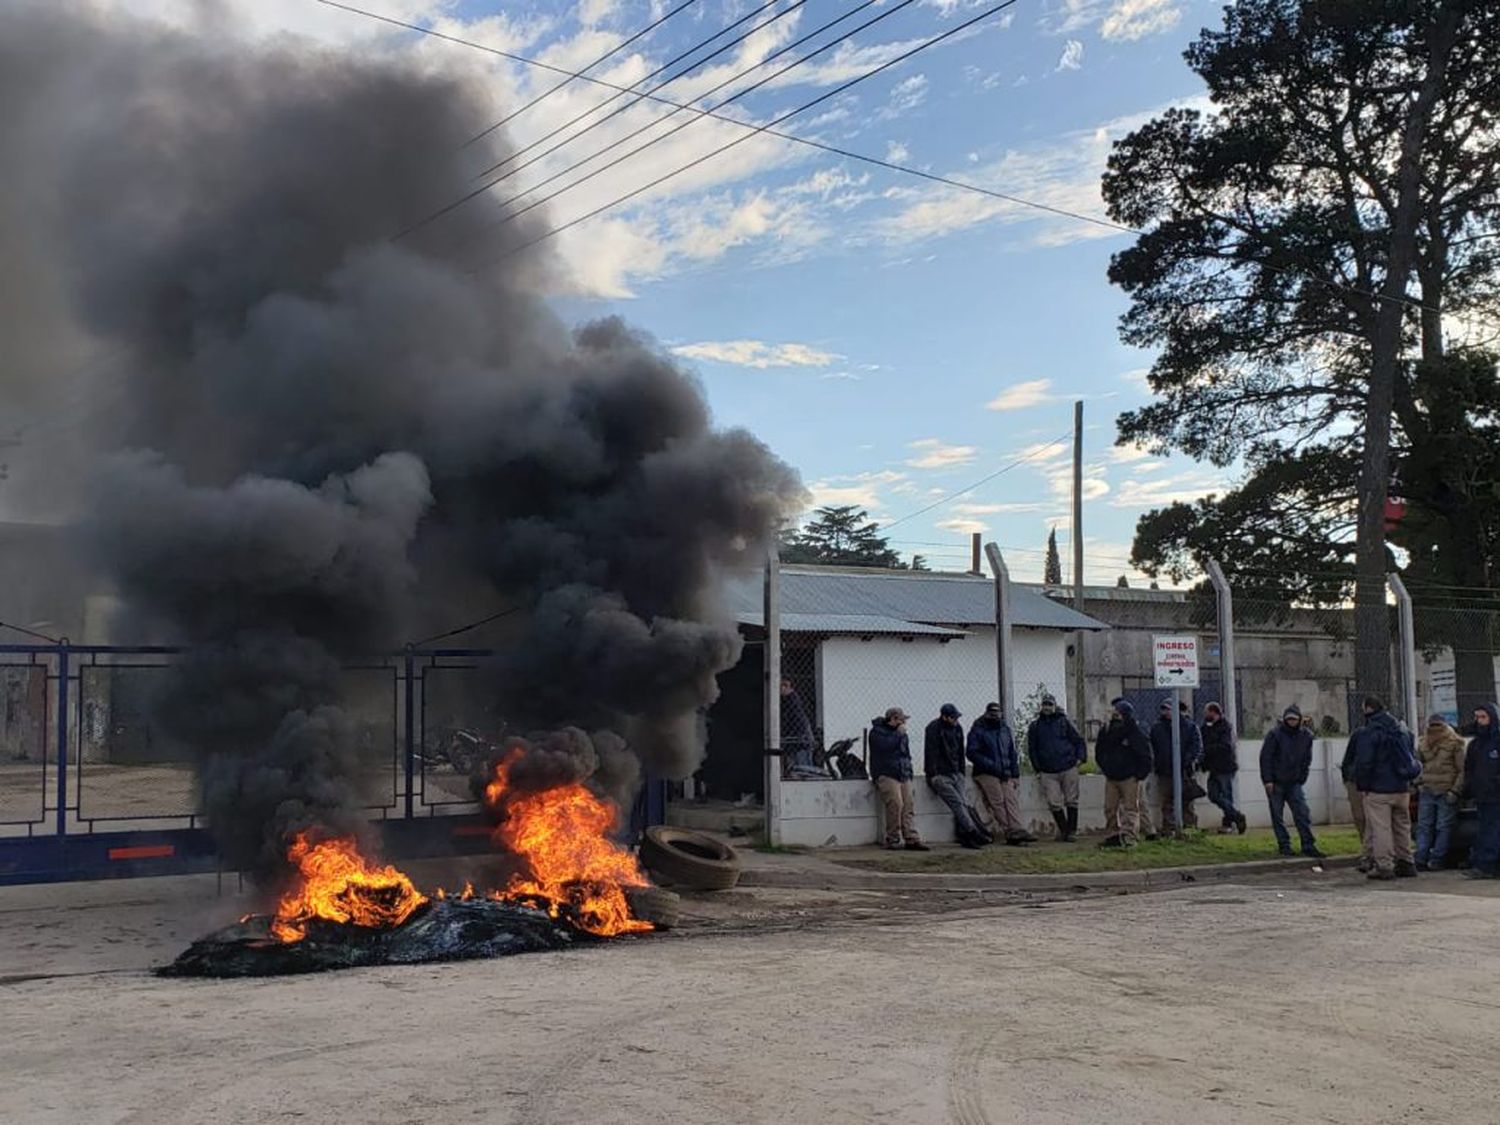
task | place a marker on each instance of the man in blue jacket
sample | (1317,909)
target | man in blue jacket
(1285,762)
(1482,784)
(943,763)
(1161,752)
(890,769)
(997,774)
(1056,750)
(1384,766)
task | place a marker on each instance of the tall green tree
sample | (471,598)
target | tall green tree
(1308,239)
(841,535)
(1052,570)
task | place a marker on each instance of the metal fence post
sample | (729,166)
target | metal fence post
(1004,670)
(63,671)
(772,663)
(1227,685)
(1406,640)
(410,731)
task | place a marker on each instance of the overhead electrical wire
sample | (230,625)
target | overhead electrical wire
(1031,456)
(609,54)
(483,188)
(864,158)
(755,130)
(642,95)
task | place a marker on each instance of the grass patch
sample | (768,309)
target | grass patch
(1086,856)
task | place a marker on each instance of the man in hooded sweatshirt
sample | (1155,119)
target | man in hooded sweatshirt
(1056,750)
(1441,752)
(943,762)
(1482,784)
(1384,768)
(997,774)
(890,770)
(1285,762)
(1221,762)
(1123,753)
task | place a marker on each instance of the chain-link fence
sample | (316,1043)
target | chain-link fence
(1458,653)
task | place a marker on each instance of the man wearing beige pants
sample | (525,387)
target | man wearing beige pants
(890,767)
(1383,763)
(1123,754)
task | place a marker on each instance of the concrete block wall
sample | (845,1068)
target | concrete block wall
(846,813)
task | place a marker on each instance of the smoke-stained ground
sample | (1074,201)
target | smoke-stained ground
(325,441)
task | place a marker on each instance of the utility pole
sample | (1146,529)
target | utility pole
(1080,694)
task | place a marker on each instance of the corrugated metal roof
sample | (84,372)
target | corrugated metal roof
(912,596)
(851,623)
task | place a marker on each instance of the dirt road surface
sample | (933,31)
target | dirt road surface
(1291,1000)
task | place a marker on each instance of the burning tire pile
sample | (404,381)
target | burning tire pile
(344,911)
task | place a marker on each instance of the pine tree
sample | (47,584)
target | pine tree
(1052,572)
(840,536)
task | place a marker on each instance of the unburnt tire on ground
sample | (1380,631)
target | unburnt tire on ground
(662,908)
(689,859)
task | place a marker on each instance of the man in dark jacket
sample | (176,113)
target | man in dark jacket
(1285,762)
(1384,766)
(1163,793)
(997,774)
(1124,755)
(890,769)
(1056,750)
(1221,762)
(943,763)
(1482,784)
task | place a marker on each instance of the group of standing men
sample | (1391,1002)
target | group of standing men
(1380,766)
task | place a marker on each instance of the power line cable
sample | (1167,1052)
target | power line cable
(755,130)
(1032,456)
(609,54)
(507,612)
(641,95)
(476,192)
(865,158)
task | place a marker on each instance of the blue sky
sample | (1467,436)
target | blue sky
(893,339)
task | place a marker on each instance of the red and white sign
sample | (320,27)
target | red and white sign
(1176,661)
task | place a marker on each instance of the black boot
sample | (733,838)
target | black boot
(1072,823)
(1061,820)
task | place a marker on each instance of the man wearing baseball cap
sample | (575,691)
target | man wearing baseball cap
(943,762)
(890,769)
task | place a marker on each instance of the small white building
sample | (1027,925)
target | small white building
(856,642)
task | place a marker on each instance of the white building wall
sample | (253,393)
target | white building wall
(843,813)
(858,679)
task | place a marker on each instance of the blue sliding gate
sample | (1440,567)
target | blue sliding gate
(87,790)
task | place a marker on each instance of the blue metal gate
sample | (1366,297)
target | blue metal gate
(86,791)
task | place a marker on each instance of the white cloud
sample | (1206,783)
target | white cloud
(1129,453)
(906,95)
(964,526)
(1138,377)
(1043,452)
(757,354)
(1072,56)
(824,494)
(1020,396)
(1135,19)
(984,509)
(896,152)
(1158,493)
(935,454)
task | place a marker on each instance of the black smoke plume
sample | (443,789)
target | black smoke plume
(320,442)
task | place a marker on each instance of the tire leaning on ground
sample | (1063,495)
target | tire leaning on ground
(662,908)
(689,859)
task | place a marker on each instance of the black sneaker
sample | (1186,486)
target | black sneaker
(1287,852)
(1240,822)
(1111,842)
(917,846)
(1313,853)
(1365,865)
(1406,869)
(1380,874)
(1422,865)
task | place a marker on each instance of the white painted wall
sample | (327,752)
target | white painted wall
(844,813)
(859,679)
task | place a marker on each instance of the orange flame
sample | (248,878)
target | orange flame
(563,835)
(339,885)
